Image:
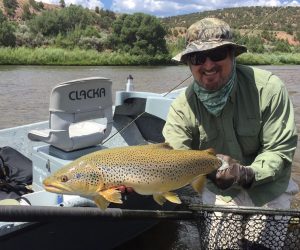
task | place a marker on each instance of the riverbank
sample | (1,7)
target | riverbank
(77,57)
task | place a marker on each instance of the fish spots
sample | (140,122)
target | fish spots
(93,178)
(147,169)
(78,176)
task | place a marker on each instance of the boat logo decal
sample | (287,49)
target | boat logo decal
(87,94)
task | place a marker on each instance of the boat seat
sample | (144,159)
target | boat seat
(76,107)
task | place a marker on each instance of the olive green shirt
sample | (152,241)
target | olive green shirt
(256,127)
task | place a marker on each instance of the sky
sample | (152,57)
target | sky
(164,8)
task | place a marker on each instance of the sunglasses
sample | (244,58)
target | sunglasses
(214,55)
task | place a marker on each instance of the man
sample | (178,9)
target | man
(243,112)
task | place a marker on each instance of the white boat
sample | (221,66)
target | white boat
(82,119)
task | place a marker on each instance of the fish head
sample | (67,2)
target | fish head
(80,177)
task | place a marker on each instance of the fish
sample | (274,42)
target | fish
(153,169)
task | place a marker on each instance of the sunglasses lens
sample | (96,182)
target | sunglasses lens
(218,55)
(197,58)
(215,55)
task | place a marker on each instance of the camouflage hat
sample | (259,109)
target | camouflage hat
(207,34)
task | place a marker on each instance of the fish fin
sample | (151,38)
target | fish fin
(112,195)
(101,202)
(159,146)
(172,197)
(210,151)
(159,199)
(198,183)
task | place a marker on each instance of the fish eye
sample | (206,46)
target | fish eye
(64,178)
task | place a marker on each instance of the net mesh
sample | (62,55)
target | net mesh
(248,229)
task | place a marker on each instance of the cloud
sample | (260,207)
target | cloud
(177,7)
(294,3)
(174,7)
(91,4)
(157,7)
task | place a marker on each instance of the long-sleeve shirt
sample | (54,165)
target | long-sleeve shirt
(256,127)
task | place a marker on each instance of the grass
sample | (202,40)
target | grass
(269,59)
(57,56)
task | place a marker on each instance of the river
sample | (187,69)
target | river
(25,90)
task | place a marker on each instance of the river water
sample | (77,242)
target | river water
(25,90)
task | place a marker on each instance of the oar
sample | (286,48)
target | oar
(47,213)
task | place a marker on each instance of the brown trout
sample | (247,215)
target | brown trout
(155,169)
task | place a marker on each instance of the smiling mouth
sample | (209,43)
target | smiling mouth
(209,73)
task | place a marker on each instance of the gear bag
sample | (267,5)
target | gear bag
(15,173)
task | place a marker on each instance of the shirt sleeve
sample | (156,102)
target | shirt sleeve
(278,136)
(177,130)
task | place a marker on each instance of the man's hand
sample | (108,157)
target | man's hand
(125,190)
(234,173)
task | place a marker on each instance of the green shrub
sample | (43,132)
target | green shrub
(10,6)
(91,43)
(282,46)
(138,34)
(7,29)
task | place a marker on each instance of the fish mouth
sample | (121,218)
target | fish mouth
(55,188)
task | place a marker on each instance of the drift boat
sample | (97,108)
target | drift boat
(82,119)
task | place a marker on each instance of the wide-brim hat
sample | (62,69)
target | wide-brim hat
(208,34)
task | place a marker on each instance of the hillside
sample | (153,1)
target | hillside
(267,18)
(35,7)
(284,23)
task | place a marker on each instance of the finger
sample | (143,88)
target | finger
(227,158)
(122,189)
(224,158)
(129,190)
(220,173)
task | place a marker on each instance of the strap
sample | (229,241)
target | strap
(3,173)
(24,199)
(19,189)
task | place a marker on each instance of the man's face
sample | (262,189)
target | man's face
(211,69)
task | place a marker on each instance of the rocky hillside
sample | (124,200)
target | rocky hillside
(282,22)
(16,12)
(268,18)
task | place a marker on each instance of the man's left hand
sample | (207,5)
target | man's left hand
(234,173)
(125,190)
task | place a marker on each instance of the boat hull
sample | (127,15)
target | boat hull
(106,233)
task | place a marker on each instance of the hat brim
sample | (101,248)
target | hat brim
(204,46)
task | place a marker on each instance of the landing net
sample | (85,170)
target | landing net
(247,228)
